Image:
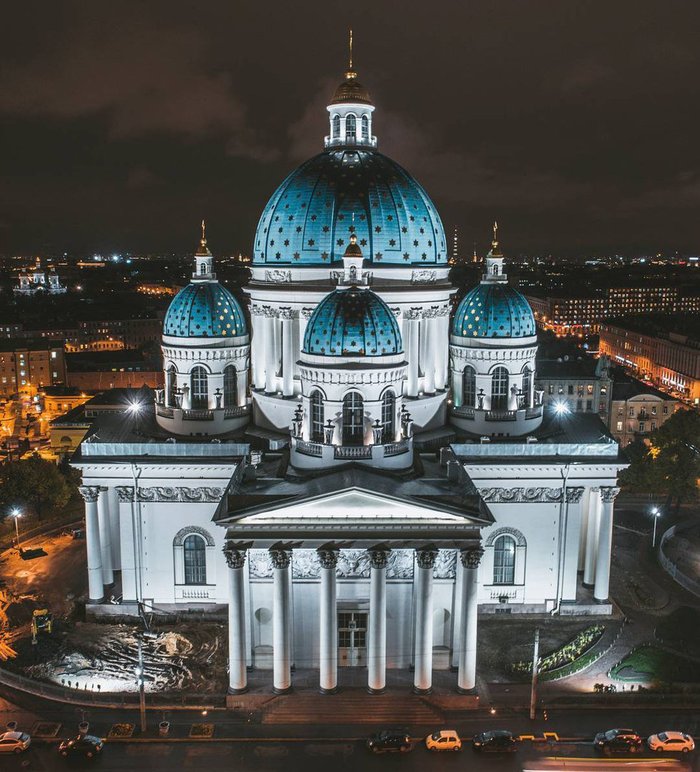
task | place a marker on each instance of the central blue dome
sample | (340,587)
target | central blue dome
(309,219)
(204,310)
(352,322)
(494,311)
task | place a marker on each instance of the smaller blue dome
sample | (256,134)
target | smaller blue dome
(494,311)
(352,322)
(204,310)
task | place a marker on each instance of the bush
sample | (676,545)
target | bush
(569,653)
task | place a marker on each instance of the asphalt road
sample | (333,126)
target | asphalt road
(331,748)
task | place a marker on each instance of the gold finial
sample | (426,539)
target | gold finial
(494,243)
(203,242)
(350,74)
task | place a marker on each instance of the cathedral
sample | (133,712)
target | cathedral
(410,477)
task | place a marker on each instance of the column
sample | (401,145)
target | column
(423,621)
(281,632)
(113,499)
(270,354)
(304,316)
(376,648)
(441,343)
(288,354)
(103,518)
(427,353)
(90,495)
(411,318)
(603,556)
(258,346)
(328,623)
(466,667)
(569,577)
(125,494)
(237,652)
(584,530)
(591,538)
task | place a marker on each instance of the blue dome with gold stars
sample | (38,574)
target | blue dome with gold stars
(494,311)
(311,216)
(352,322)
(204,310)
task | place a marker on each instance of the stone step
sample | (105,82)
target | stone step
(350,707)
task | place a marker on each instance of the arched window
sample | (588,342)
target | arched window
(353,419)
(171,386)
(336,127)
(499,389)
(316,416)
(365,127)
(350,128)
(527,385)
(504,560)
(202,268)
(469,386)
(195,559)
(200,394)
(388,413)
(230,386)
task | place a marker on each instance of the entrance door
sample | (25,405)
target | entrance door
(352,638)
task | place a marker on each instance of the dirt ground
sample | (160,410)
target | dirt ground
(503,640)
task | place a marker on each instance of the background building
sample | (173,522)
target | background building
(581,382)
(28,365)
(36,280)
(637,410)
(662,349)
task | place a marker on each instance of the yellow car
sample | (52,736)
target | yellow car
(443,740)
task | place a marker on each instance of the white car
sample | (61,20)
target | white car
(671,741)
(14,742)
(443,740)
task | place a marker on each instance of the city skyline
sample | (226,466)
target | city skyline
(123,131)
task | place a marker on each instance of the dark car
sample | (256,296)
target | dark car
(497,741)
(390,741)
(618,741)
(86,745)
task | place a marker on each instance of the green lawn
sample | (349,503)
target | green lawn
(648,664)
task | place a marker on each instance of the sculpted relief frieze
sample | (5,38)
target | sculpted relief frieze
(521,495)
(175,494)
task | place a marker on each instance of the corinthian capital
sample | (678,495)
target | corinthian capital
(327,558)
(609,494)
(235,557)
(574,495)
(378,558)
(280,558)
(471,558)
(426,557)
(90,493)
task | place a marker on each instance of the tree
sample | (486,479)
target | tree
(33,484)
(669,462)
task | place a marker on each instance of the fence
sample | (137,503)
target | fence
(692,585)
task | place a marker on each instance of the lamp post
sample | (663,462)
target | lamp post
(142,688)
(17,514)
(656,514)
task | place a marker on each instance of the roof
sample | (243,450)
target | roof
(31,344)
(351,90)
(567,368)
(494,310)
(625,388)
(352,322)
(204,310)
(310,217)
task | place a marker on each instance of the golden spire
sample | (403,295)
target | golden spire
(203,249)
(350,74)
(494,243)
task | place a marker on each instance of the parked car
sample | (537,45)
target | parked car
(680,742)
(443,740)
(85,745)
(14,742)
(618,741)
(496,741)
(390,741)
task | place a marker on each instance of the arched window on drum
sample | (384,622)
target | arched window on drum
(499,389)
(469,386)
(351,128)
(200,388)
(230,386)
(316,402)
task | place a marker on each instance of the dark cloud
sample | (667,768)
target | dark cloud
(573,122)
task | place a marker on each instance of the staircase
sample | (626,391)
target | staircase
(351,706)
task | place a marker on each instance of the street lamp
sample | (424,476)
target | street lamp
(656,514)
(16,513)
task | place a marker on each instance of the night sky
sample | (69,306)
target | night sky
(122,124)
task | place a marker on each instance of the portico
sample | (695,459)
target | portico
(307,547)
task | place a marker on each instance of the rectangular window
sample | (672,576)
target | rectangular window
(589,388)
(579,405)
(630,412)
(665,410)
(571,388)
(589,405)
(619,426)
(653,426)
(550,388)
